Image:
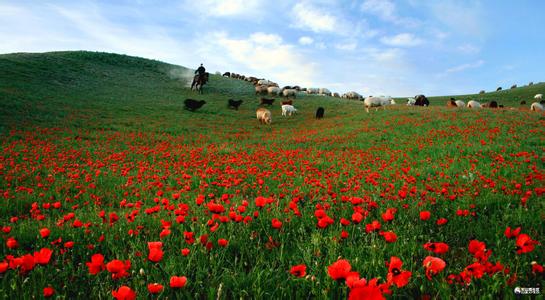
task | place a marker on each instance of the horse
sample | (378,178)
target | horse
(198,81)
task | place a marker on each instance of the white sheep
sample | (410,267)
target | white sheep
(473,104)
(264,82)
(324,92)
(460,103)
(538,96)
(312,90)
(289,92)
(273,90)
(536,106)
(264,116)
(411,101)
(260,89)
(352,95)
(378,101)
(288,110)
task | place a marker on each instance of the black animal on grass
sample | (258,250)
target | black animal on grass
(320,113)
(193,105)
(493,104)
(234,104)
(421,100)
(266,101)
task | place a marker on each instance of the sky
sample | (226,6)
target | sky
(373,47)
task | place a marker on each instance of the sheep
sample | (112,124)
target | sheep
(460,103)
(312,90)
(336,95)
(273,90)
(264,116)
(288,110)
(320,113)
(296,87)
(538,96)
(234,103)
(289,92)
(193,105)
(536,106)
(473,104)
(260,89)
(266,101)
(226,74)
(377,101)
(324,92)
(493,104)
(451,103)
(418,100)
(498,89)
(514,86)
(264,82)
(352,95)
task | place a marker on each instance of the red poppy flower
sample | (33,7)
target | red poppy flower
(438,248)
(536,268)
(3,266)
(299,270)
(425,215)
(12,243)
(96,265)
(441,221)
(389,214)
(155,288)
(48,292)
(389,236)
(433,265)
(223,242)
(27,263)
(44,232)
(178,281)
(373,226)
(43,256)
(366,293)
(185,252)
(525,244)
(344,234)
(118,268)
(155,251)
(476,270)
(478,249)
(339,269)
(511,233)
(276,224)
(395,275)
(124,293)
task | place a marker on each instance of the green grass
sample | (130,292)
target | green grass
(94,130)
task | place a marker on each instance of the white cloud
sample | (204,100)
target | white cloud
(312,18)
(401,40)
(464,67)
(226,8)
(259,54)
(348,46)
(386,10)
(468,49)
(466,18)
(306,40)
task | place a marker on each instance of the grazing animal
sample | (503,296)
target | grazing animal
(273,90)
(377,101)
(226,74)
(266,101)
(498,89)
(193,105)
(324,92)
(460,103)
(336,95)
(514,86)
(352,95)
(264,116)
(451,103)
(199,81)
(320,113)
(264,82)
(493,104)
(234,103)
(523,102)
(287,102)
(260,89)
(288,110)
(312,90)
(538,96)
(289,92)
(473,104)
(418,100)
(531,83)
(536,106)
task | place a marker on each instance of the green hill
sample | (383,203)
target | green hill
(90,89)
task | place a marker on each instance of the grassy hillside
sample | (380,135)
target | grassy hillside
(81,89)
(99,159)
(507,97)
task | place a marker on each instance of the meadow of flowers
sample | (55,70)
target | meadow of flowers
(158,202)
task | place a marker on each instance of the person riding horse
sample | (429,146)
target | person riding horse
(200,78)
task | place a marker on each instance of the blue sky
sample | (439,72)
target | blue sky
(386,47)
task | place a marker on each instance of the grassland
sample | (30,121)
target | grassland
(106,137)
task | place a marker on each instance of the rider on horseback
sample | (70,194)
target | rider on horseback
(200,70)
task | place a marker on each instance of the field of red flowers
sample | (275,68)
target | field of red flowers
(428,203)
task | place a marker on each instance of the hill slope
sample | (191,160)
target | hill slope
(81,89)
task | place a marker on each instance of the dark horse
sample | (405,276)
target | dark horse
(198,81)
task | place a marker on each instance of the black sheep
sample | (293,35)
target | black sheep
(266,101)
(320,113)
(234,103)
(193,105)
